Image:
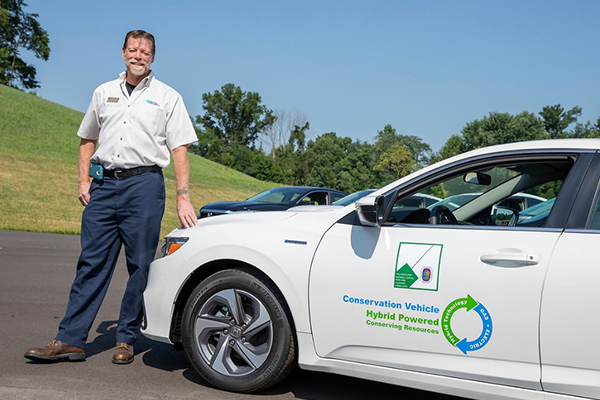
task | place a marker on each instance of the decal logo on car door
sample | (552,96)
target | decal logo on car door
(418,266)
(464,344)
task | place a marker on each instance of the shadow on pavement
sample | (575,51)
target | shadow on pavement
(307,385)
(159,355)
(103,342)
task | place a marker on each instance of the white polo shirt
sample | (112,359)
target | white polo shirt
(137,130)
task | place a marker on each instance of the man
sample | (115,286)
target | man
(135,121)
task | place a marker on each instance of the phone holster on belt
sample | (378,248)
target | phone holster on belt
(96,171)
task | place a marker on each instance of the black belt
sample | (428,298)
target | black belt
(126,173)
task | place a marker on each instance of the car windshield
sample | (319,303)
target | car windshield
(279,195)
(351,198)
(453,202)
(417,200)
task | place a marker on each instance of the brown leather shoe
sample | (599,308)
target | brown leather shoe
(123,354)
(55,351)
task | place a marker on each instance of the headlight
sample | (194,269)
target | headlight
(172,244)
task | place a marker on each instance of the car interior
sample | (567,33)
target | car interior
(315,198)
(497,195)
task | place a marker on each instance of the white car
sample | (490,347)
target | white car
(463,302)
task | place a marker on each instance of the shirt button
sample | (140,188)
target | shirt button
(120,138)
(129,106)
(124,122)
(118,155)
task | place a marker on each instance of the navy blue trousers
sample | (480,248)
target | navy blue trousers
(120,212)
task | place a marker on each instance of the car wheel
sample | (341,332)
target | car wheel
(236,332)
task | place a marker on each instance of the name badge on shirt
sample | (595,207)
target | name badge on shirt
(112,100)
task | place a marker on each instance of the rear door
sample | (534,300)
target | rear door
(570,315)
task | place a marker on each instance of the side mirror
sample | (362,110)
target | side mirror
(503,216)
(477,178)
(370,211)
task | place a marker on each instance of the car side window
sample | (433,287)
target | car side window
(594,220)
(315,198)
(499,195)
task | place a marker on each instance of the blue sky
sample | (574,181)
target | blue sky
(425,67)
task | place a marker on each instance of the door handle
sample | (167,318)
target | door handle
(510,259)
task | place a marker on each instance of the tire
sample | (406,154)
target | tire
(237,334)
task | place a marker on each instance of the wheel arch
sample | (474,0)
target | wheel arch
(204,271)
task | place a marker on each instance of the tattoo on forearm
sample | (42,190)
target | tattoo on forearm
(182,191)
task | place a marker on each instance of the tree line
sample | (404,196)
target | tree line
(235,128)
(553,122)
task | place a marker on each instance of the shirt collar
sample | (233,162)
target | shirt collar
(146,81)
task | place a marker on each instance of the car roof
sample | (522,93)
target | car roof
(550,144)
(534,145)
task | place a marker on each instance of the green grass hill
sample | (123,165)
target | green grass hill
(38,169)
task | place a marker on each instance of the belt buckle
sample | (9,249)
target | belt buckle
(117,172)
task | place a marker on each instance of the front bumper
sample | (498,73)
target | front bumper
(165,279)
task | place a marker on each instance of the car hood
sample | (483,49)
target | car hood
(303,209)
(225,206)
(245,223)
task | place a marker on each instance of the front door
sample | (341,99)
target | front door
(459,300)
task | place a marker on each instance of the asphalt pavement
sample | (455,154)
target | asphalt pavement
(36,271)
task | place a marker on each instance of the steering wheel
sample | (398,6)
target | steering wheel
(441,215)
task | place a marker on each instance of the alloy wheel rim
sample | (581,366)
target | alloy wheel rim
(234,332)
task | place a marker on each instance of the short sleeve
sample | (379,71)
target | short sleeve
(90,126)
(180,130)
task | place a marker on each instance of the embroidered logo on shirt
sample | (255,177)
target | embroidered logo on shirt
(152,103)
(112,100)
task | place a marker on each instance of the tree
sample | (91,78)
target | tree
(557,120)
(208,145)
(587,130)
(278,134)
(453,146)
(323,157)
(397,161)
(340,163)
(358,168)
(20,30)
(228,130)
(496,128)
(235,117)
(295,161)
(386,138)
(499,128)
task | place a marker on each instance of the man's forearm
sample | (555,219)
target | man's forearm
(182,171)
(185,211)
(86,151)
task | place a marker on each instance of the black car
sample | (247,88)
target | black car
(276,199)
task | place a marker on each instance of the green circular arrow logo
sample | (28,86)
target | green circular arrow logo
(465,345)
